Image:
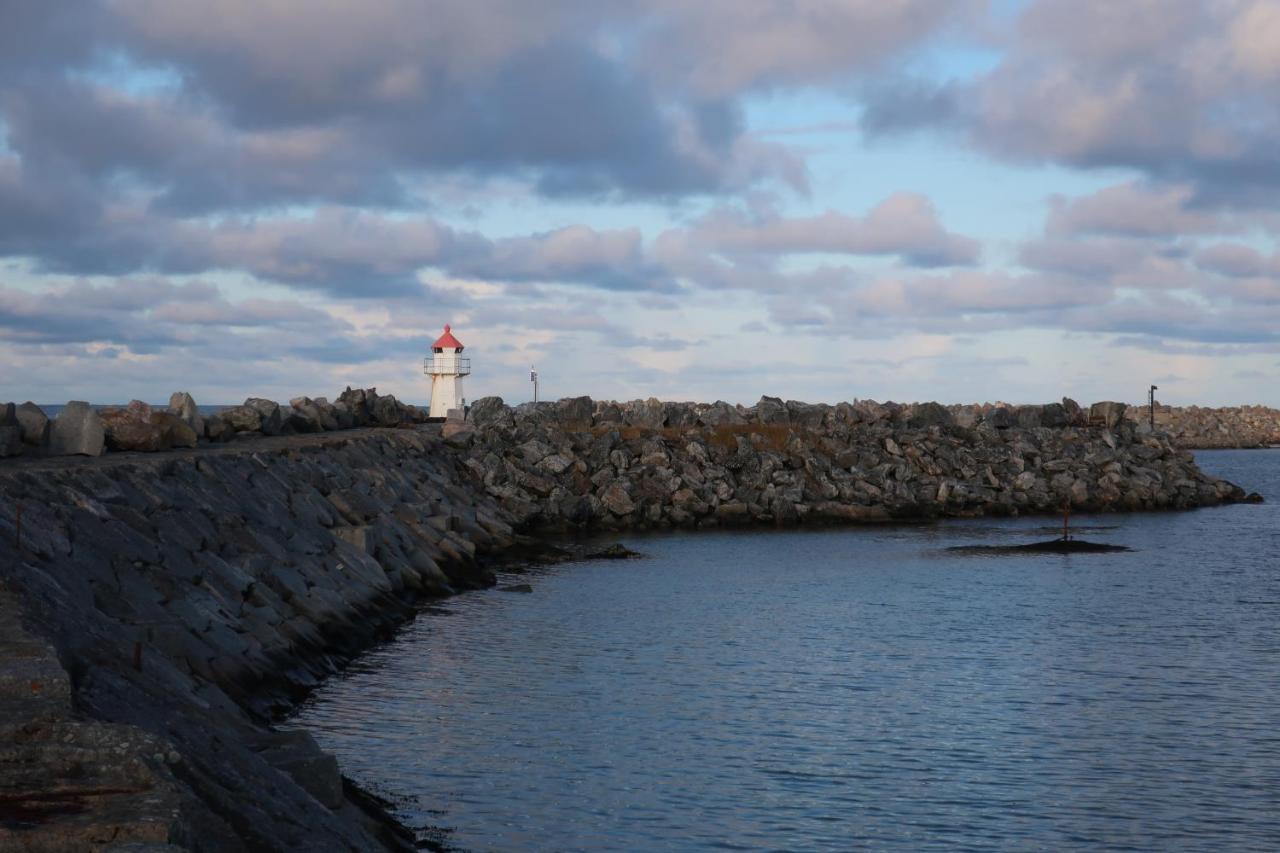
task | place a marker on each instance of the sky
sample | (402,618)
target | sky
(819,200)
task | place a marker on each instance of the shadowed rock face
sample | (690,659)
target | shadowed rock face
(239,573)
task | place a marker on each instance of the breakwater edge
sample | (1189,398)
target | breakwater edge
(161,608)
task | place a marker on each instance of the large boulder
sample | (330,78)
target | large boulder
(648,414)
(10,431)
(1108,413)
(77,431)
(238,419)
(303,416)
(325,413)
(488,410)
(357,403)
(924,415)
(272,419)
(216,428)
(807,415)
(575,410)
(771,410)
(176,431)
(720,413)
(34,423)
(387,411)
(183,406)
(608,412)
(1055,415)
(1075,415)
(130,428)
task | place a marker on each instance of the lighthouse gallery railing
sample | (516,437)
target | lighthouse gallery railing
(446,364)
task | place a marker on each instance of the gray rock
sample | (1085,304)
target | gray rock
(130,428)
(357,402)
(617,501)
(177,432)
(923,415)
(34,423)
(386,411)
(183,406)
(575,410)
(608,413)
(648,414)
(216,428)
(1000,417)
(77,431)
(771,410)
(10,433)
(240,419)
(271,419)
(489,410)
(1055,415)
(720,413)
(1107,413)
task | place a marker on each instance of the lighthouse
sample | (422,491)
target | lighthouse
(446,368)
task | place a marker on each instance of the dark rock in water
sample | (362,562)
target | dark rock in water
(1052,546)
(613,552)
(516,587)
(1254,498)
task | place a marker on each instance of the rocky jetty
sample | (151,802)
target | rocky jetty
(81,430)
(1197,428)
(174,604)
(158,611)
(648,464)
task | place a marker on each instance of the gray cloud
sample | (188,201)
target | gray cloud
(1183,91)
(904,224)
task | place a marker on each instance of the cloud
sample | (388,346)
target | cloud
(1134,210)
(1237,261)
(613,260)
(1184,92)
(904,224)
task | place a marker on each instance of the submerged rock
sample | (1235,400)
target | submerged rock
(1051,546)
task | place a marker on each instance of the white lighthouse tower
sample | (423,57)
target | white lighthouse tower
(446,368)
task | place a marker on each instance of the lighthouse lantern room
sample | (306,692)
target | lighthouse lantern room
(446,368)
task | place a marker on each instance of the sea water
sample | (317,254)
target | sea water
(847,688)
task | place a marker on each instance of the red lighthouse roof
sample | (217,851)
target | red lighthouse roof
(446,340)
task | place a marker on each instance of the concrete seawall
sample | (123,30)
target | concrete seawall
(159,610)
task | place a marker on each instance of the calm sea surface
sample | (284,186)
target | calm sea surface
(847,689)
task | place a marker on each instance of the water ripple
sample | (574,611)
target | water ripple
(847,689)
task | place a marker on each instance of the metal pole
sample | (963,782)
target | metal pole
(1152,397)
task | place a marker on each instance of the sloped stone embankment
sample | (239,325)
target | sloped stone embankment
(172,603)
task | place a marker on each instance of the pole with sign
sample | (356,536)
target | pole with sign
(533,377)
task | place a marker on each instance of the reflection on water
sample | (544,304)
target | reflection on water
(833,689)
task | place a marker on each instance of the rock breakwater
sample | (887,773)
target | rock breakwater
(647,464)
(1198,428)
(158,610)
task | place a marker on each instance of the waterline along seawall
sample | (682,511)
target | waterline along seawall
(159,610)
